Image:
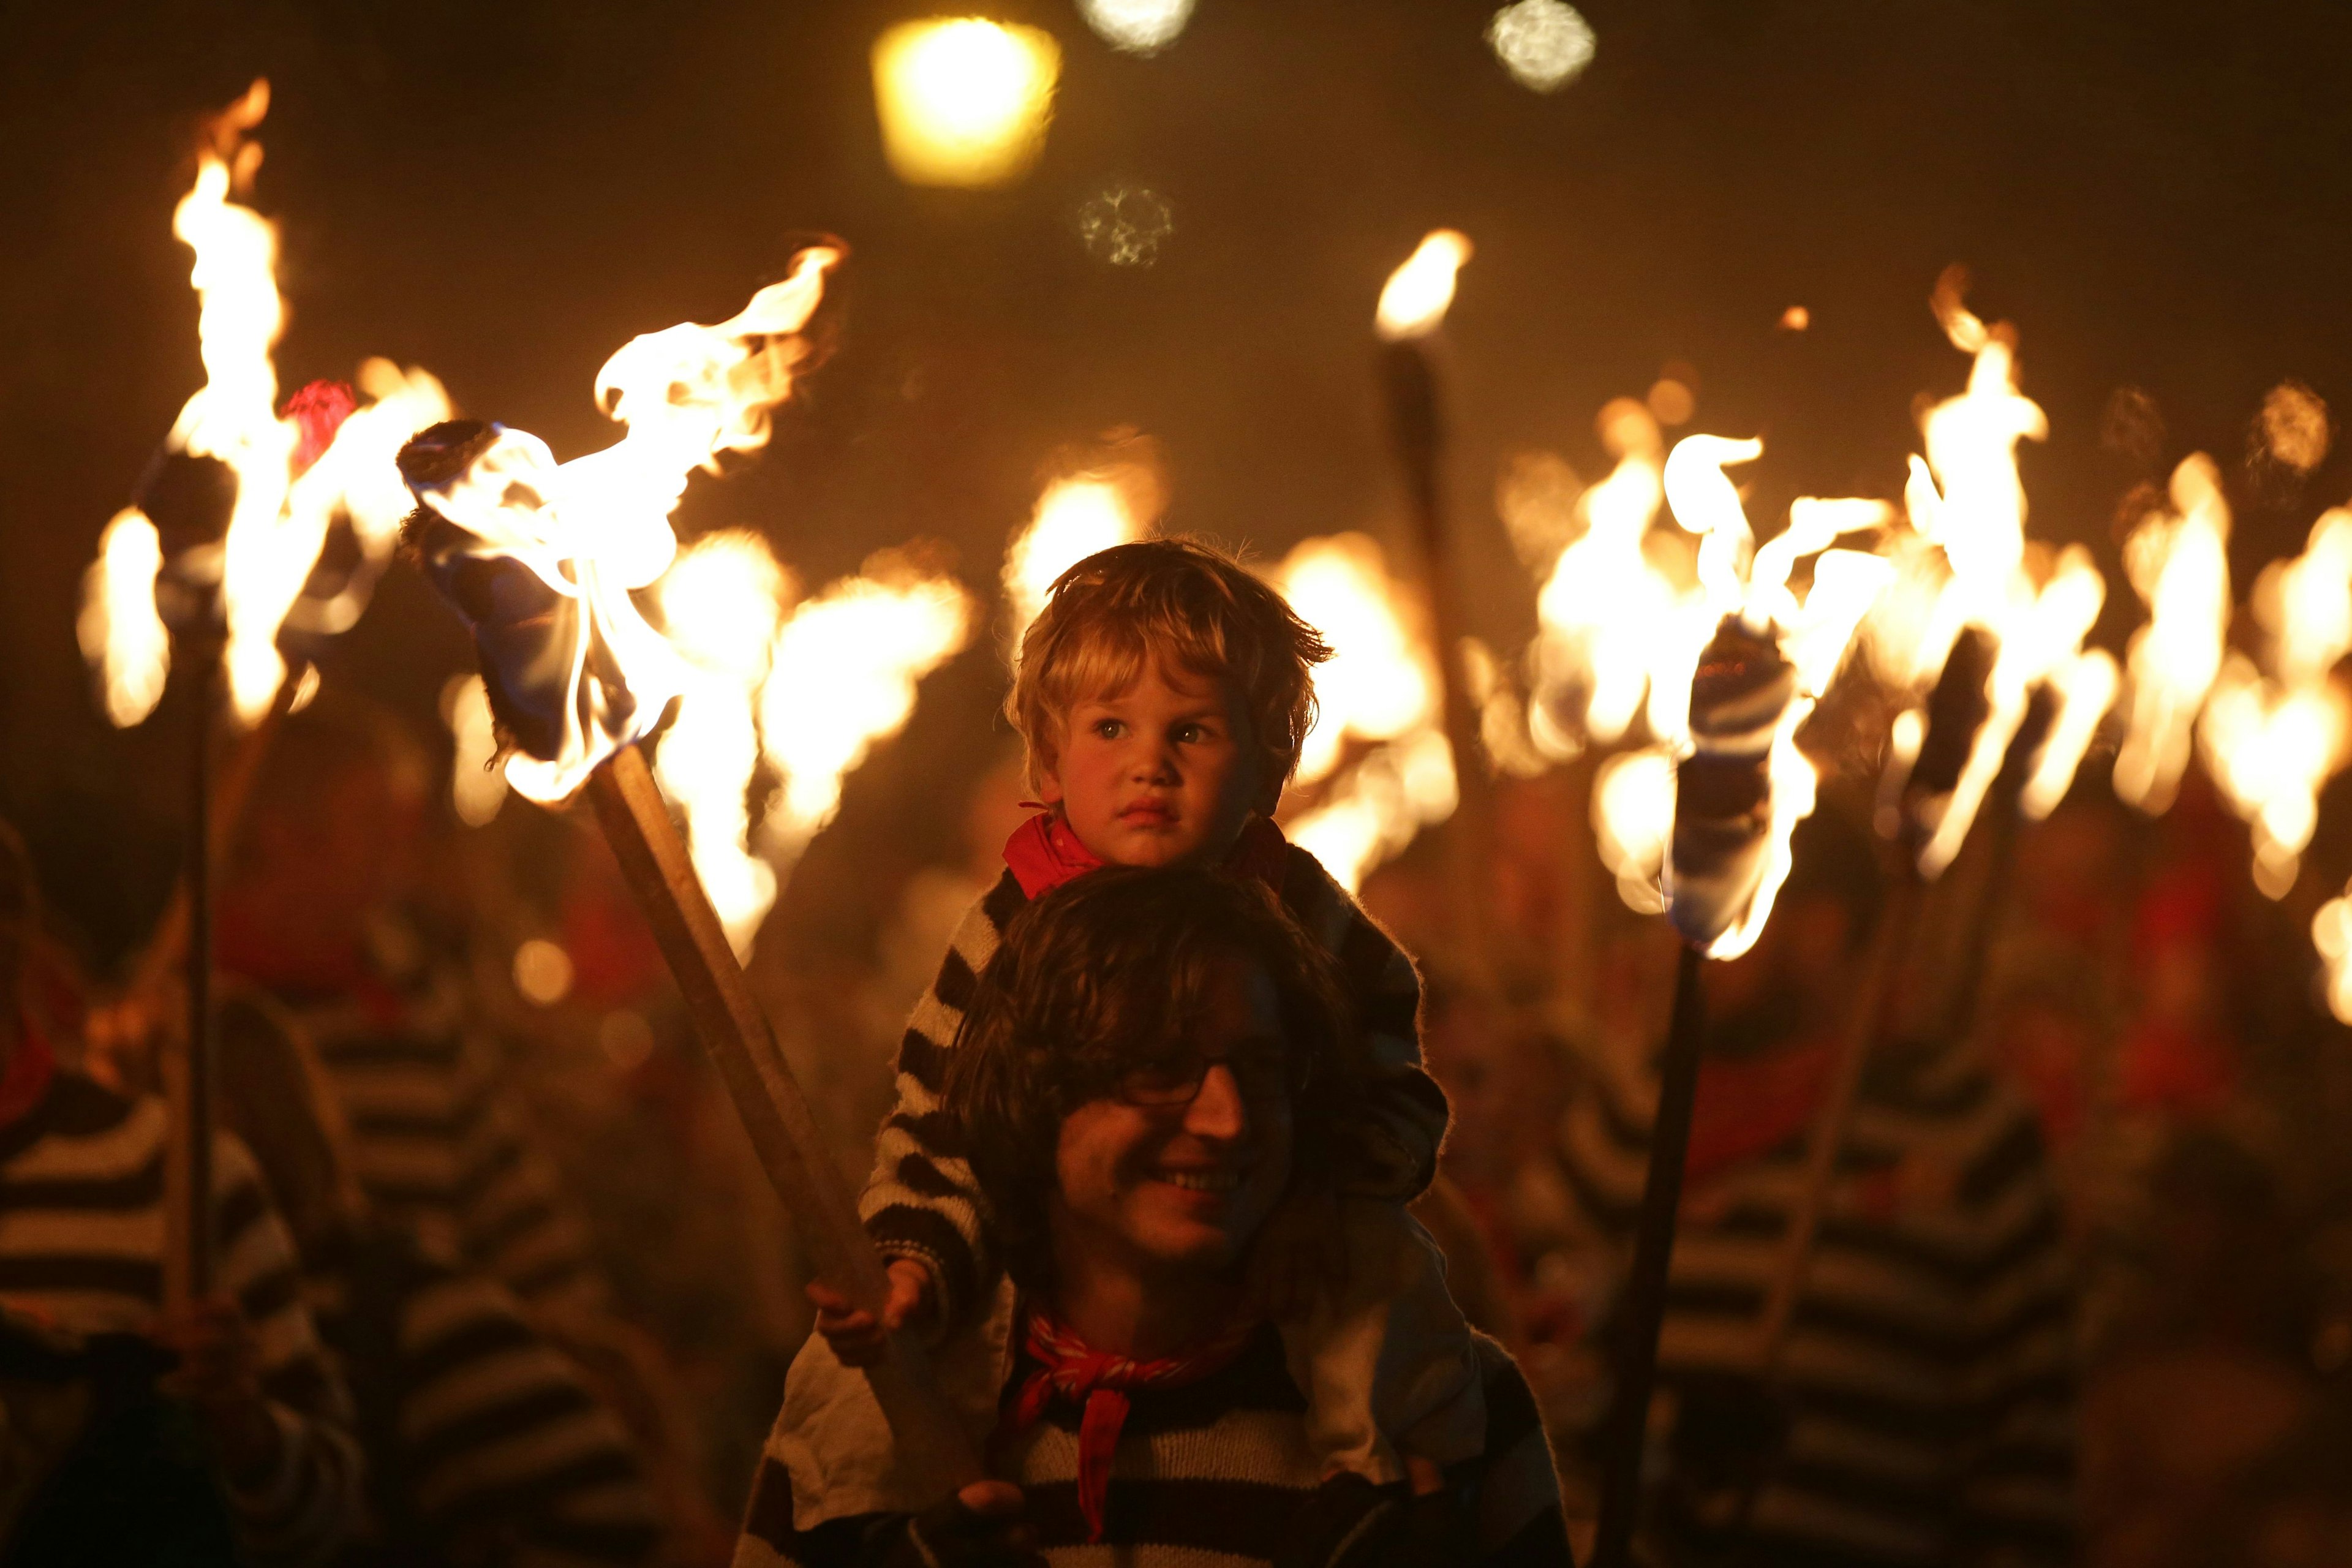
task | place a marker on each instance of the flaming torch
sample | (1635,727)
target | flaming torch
(215,565)
(1411,309)
(540,558)
(1742,786)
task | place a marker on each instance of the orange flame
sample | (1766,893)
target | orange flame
(2270,743)
(2178,562)
(597,527)
(1380,685)
(1417,295)
(279,521)
(1112,500)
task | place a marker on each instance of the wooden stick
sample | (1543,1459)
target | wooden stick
(167,943)
(188,1084)
(775,1114)
(1419,427)
(1625,1434)
(1832,1121)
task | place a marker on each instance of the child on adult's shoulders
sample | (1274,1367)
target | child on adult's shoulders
(1162,696)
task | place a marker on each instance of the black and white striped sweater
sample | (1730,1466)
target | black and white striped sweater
(1929,1365)
(1214,1474)
(486,1444)
(82,1246)
(922,1202)
(431,1143)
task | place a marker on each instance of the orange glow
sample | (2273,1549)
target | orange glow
(1414,301)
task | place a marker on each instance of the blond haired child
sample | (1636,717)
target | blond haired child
(1162,696)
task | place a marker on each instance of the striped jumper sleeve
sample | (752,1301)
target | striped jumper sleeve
(506,1453)
(922,1201)
(81,1244)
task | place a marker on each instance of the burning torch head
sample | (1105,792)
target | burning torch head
(1741,692)
(518,621)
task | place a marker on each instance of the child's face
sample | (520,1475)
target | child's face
(1163,772)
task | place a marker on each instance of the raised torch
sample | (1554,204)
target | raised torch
(540,559)
(1740,788)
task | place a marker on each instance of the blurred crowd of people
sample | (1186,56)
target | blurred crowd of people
(2081,1290)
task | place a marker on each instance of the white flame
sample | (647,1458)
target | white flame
(1380,686)
(1414,301)
(597,527)
(1632,821)
(842,678)
(721,602)
(279,521)
(119,632)
(2272,742)
(477,787)
(1602,604)
(1113,502)
(2178,562)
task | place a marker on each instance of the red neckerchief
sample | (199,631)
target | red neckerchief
(1044,853)
(29,1073)
(1097,1383)
(1751,1107)
(242,948)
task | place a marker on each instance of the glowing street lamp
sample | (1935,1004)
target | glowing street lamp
(964,101)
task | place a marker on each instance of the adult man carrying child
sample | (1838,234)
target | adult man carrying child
(1162,696)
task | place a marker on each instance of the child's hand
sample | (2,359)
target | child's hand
(856,1338)
(1299,1254)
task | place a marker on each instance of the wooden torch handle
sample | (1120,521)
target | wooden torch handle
(1642,1309)
(767,1097)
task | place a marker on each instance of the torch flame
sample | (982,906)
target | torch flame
(844,675)
(1414,301)
(1380,686)
(595,529)
(1600,607)
(2272,742)
(721,602)
(284,507)
(120,633)
(2178,562)
(1112,501)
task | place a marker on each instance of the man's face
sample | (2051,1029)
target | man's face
(1145,1189)
(1163,772)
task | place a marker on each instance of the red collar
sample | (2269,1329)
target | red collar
(1097,1383)
(1044,853)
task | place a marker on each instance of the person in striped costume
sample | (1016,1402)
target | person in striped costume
(1924,1412)
(485,1446)
(1153,1058)
(82,1232)
(1162,695)
(310,916)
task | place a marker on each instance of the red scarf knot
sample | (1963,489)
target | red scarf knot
(1044,853)
(1097,1383)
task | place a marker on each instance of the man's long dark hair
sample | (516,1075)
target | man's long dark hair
(1113,972)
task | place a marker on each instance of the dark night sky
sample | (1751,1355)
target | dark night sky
(2157,195)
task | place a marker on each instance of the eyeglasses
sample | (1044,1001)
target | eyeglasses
(1265,1076)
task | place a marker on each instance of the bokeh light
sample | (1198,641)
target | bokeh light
(1124,224)
(1544,44)
(964,101)
(1137,27)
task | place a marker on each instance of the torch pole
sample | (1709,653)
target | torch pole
(1625,1435)
(775,1113)
(188,1089)
(1418,425)
(1893,939)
